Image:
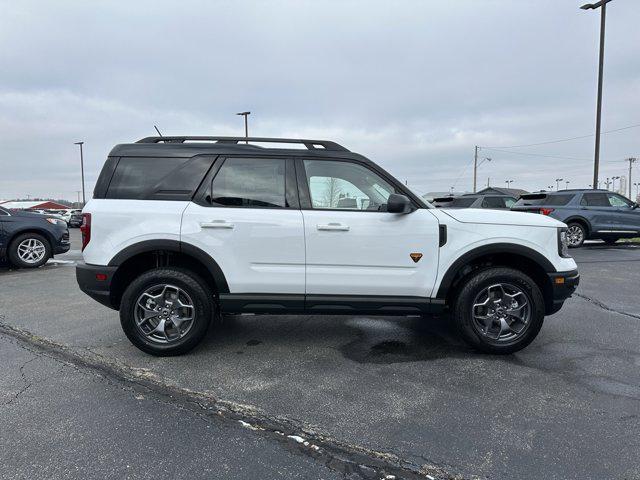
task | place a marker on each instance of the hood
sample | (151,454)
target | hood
(500,217)
(24,213)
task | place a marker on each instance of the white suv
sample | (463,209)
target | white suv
(181,230)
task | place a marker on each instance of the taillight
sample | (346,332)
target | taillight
(546,211)
(85,229)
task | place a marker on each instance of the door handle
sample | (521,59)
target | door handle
(217,224)
(337,227)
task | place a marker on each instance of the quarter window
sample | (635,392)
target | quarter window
(250,182)
(346,186)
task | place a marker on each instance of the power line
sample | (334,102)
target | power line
(572,138)
(535,154)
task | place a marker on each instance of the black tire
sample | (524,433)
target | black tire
(14,257)
(462,309)
(610,240)
(581,234)
(194,286)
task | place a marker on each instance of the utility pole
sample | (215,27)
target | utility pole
(475,167)
(246,124)
(631,161)
(84,200)
(602,4)
(558,180)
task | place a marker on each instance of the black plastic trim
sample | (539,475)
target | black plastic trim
(174,246)
(494,248)
(327,304)
(442,235)
(100,291)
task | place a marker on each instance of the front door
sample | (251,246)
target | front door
(354,246)
(249,222)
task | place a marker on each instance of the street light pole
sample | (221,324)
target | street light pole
(613,183)
(566,185)
(558,180)
(84,200)
(602,4)
(246,124)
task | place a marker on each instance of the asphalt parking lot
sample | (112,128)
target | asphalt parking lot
(401,395)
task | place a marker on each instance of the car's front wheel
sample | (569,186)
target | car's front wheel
(499,310)
(166,311)
(29,250)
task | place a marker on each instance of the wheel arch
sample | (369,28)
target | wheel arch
(146,255)
(40,231)
(519,257)
(581,220)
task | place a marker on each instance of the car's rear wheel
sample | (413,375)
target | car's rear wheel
(499,310)
(576,235)
(166,311)
(29,250)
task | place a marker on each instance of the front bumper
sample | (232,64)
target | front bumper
(563,285)
(62,243)
(95,281)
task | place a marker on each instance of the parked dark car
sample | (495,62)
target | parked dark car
(76,218)
(29,239)
(589,214)
(474,201)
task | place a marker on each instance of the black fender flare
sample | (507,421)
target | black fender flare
(177,247)
(494,248)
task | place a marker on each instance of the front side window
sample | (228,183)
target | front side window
(339,185)
(595,200)
(251,183)
(618,201)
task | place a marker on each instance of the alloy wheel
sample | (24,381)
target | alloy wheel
(501,312)
(31,251)
(575,235)
(164,313)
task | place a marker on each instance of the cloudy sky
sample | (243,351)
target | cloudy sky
(413,85)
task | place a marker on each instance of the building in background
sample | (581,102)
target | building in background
(33,205)
(513,192)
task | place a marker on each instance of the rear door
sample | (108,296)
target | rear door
(354,247)
(597,210)
(246,217)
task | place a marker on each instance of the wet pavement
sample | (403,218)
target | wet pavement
(568,406)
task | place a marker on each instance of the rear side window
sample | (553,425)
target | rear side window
(461,202)
(250,182)
(155,178)
(595,200)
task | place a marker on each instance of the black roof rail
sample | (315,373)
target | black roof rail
(310,144)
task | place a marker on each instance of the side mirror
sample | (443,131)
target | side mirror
(398,204)
(634,206)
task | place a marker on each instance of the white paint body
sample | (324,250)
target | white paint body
(319,251)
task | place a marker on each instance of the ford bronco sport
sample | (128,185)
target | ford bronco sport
(181,230)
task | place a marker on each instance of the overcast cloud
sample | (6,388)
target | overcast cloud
(413,85)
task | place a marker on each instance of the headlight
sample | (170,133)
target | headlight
(563,243)
(55,221)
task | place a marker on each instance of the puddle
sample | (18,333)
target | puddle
(402,340)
